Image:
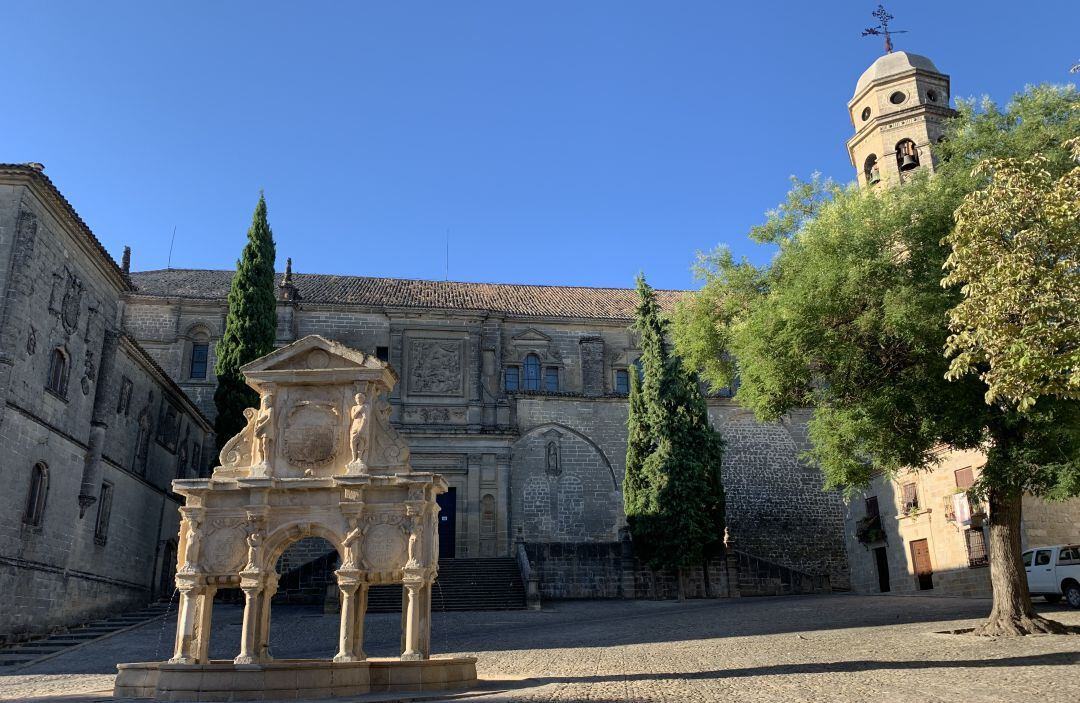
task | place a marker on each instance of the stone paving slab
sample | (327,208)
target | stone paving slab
(808,648)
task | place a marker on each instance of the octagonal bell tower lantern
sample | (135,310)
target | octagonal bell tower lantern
(318,457)
(899,111)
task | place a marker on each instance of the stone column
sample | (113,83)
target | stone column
(412,649)
(202,624)
(251,623)
(472,506)
(184,651)
(502,506)
(349,650)
(425,621)
(262,636)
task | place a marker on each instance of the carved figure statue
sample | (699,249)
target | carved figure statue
(254,543)
(415,536)
(349,543)
(191,551)
(357,436)
(553,459)
(264,431)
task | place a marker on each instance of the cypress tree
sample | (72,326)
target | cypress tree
(250,327)
(673,496)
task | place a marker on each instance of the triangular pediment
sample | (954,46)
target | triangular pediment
(531,335)
(315,353)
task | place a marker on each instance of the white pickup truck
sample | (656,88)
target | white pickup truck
(1053,572)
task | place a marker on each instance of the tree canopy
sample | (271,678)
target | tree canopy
(250,326)
(673,495)
(851,319)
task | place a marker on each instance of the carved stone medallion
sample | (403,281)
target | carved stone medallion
(384,547)
(311,434)
(224,550)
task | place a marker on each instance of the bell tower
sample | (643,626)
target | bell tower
(899,110)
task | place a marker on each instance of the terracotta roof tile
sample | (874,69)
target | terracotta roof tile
(507,298)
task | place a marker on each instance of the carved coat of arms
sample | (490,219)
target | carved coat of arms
(311,434)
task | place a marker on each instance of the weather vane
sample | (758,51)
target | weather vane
(883,18)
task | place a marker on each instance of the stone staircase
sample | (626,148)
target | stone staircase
(24,652)
(759,577)
(463,584)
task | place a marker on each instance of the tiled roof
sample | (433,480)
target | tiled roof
(508,298)
(34,173)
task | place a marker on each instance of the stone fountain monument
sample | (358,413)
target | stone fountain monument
(317,458)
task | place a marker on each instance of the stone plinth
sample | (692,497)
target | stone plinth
(289,679)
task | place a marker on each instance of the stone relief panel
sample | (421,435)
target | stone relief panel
(435,415)
(435,367)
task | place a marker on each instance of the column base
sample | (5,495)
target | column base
(183,660)
(245,659)
(350,657)
(412,657)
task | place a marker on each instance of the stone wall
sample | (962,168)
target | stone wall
(776,508)
(77,562)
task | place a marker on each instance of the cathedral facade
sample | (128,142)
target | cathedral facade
(517,395)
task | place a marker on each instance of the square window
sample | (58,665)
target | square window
(382,353)
(551,379)
(976,548)
(872,509)
(511,378)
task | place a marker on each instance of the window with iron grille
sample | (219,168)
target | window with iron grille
(35,498)
(511,378)
(101,526)
(532,372)
(911,497)
(976,548)
(622,381)
(200,352)
(551,379)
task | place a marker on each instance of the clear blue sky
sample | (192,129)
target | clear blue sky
(558,142)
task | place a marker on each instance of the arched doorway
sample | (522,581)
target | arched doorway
(303,621)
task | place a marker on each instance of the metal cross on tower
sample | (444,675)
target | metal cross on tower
(883,18)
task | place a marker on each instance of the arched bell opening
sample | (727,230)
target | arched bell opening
(871,170)
(907,155)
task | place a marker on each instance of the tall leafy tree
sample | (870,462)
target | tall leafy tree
(250,327)
(673,495)
(851,319)
(1015,250)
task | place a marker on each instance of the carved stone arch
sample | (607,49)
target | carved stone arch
(198,327)
(288,534)
(557,426)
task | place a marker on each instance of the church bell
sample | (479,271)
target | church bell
(908,163)
(875,176)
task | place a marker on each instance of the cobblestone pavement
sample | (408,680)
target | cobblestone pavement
(809,648)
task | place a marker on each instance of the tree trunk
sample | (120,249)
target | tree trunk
(682,584)
(1012,613)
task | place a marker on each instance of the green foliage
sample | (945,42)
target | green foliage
(1016,256)
(850,318)
(250,327)
(673,495)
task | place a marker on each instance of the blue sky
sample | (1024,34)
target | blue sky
(556,142)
